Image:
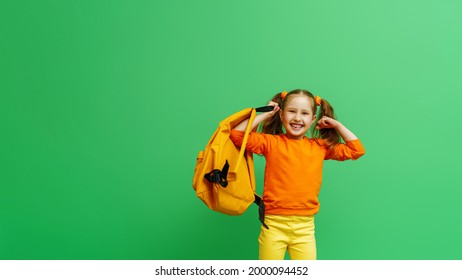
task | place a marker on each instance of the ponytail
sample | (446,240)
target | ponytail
(273,125)
(330,135)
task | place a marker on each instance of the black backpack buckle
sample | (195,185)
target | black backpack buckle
(219,176)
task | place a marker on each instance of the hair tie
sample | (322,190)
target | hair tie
(317,99)
(283,94)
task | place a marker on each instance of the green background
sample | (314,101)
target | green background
(105,104)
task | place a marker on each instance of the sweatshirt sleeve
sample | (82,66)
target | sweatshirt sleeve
(353,149)
(256,143)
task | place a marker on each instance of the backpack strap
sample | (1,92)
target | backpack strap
(264,109)
(253,114)
(258,200)
(261,209)
(244,141)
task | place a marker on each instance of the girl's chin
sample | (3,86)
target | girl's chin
(295,134)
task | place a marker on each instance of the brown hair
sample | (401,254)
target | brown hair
(274,125)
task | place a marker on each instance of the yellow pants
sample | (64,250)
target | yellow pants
(292,233)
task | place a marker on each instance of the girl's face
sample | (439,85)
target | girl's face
(297,116)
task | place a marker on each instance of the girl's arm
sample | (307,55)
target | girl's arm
(258,119)
(351,150)
(345,133)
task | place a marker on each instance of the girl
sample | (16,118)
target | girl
(293,171)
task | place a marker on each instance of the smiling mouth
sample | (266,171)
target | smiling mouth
(296,126)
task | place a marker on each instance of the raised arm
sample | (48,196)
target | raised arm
(345,133)
(259,118)
(353,149)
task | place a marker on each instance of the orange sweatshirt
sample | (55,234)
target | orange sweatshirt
(293,172)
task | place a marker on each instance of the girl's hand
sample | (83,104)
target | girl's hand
(326,122)
(259,118)
(276,108)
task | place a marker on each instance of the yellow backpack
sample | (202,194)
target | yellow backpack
(224,176)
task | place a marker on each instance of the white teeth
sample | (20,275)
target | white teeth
(296,126)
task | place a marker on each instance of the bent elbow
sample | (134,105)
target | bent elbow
(358,154)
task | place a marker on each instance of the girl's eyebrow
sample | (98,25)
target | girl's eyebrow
(295,108)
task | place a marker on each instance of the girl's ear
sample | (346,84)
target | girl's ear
(314,119)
